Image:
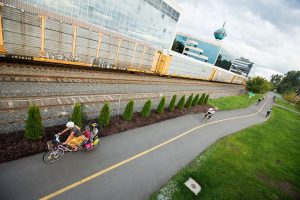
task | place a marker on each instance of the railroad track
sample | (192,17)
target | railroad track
(9,104)
(65,74)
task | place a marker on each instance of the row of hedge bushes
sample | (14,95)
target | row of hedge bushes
(34,127)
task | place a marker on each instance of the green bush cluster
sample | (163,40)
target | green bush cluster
(34,129)
(146,109)
(104,116)
(128,112)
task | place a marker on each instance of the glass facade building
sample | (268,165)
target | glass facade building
(241,66)
(206,51)
(154,21)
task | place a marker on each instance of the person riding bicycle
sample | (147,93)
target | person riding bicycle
(269,112)
(75,138)
(209,113)
(259,100)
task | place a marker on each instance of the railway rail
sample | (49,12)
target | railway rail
(12,72)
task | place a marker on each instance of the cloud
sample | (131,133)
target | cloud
(266,32)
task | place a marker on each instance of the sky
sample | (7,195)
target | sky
(266,32)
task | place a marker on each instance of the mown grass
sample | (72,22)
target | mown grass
(234,102)
(286,104)
(260,162)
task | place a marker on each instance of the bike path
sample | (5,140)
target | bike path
(30,178)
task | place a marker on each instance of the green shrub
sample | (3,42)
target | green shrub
(77,115)
(195,100)
(128,112)
(298,105)
(161,105)
(34,127)
(188,103)
(201,100)
(172,103)
(291,96)
(146,109)
(104,116)
(180,104)
(258,85)
(206,99)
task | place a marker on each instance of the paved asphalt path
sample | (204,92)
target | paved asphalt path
(30,178)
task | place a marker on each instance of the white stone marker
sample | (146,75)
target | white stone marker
(193,186)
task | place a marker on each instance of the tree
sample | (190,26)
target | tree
(258,85)
(104,116)
(206,99)
(161,105)
(195,100)
(172,103)
(128,112)
(290,82)
(34,129)
(188,103)
(77,114)
(180,104)
(276,79)
(146,109)
(201,100)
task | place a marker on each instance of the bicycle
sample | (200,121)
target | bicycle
(56,150)
(206,117)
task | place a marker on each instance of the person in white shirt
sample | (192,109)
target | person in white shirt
(210,112)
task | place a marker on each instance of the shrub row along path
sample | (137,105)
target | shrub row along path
(130,165)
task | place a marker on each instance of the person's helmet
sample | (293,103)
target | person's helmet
(70,125)
(87,128)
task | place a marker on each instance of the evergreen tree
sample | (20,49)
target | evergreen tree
(188,103)
(104,116)
(180,104)
(201,100)
(128,112)
(34,129)
(77,114)
(172,103)
(161,105)
(206,99)
(146,109)
(195,100)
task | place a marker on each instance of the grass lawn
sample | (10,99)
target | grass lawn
(234,102)
(260,162)
(286,104)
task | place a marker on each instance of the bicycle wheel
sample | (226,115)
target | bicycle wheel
(53,156)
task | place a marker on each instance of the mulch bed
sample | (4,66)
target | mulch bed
(14,146)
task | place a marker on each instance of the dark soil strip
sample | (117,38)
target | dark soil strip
(14,146)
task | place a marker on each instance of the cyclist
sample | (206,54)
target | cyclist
(75,138)
(259,100)
(210,112)
(269,112)
(274,98)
